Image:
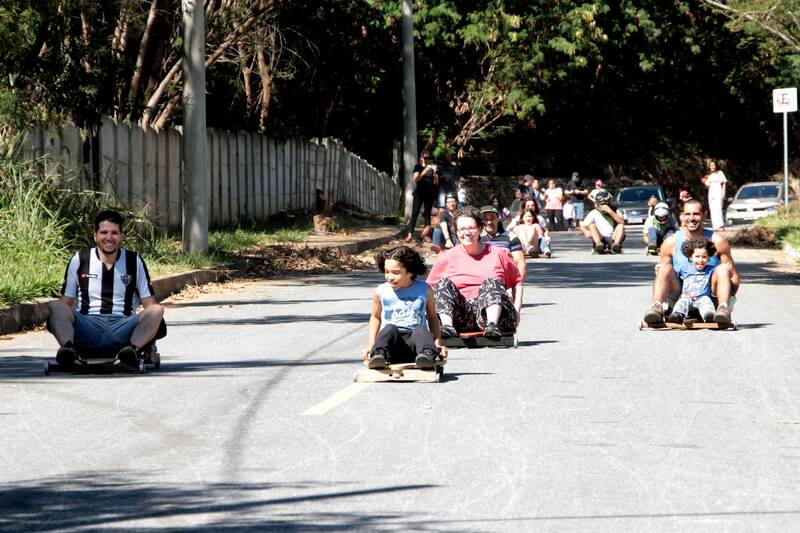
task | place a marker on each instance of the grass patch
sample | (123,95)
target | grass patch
(785,228)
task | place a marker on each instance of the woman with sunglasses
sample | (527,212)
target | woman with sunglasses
(470,282)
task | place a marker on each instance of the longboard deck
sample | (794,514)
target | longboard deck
(689,324)
(404,372)
(475,339)
(103,366)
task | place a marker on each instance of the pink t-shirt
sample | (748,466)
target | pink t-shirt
(467,272)
(554,198)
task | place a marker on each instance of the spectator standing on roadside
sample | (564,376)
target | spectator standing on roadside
(424,175)
(715,183)
(445,236)
(538,194)
(519,199)
(448,174)
(578,192)
(554,205)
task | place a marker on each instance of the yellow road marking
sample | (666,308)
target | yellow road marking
(337,399)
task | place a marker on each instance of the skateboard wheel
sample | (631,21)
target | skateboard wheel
(516,341)
(141,366)
(156,360)
(437,378)
(47,368)
(355,377)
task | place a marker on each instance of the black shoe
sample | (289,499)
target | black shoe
(708,317)
(492,331)
(377,359)
(66,356)
(616,249)
(426,360)
(676,318)
(652,250)
(599,248)
(127,356)
(448,331)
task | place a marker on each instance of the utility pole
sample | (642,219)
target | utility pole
(195,143)
(410,105)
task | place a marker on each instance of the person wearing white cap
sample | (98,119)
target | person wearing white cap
(658,226)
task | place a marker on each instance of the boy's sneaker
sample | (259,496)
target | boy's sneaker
(377,359)
(708,317)
(448,332)
(599,248)
(616,249)
(492,331)
(66,356)
(723,315)
(676,318)
(426,360)
(654,315)
(126,356)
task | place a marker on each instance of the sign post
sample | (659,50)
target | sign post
(785,101)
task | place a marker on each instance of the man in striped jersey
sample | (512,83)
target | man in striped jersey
(96,313)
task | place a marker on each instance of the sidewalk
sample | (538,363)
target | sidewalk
(355,240)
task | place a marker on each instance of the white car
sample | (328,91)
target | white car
(754,201)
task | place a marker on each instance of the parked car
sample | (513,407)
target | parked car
(631,202)
(754,201)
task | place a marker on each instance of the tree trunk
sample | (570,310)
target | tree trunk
(266,89)
(246,75)
(144,47)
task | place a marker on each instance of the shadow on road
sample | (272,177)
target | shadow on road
(237,303)
(275,319)
(113,500)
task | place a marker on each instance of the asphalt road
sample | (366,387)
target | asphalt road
(254,423)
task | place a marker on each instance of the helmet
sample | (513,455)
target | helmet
(451,195)
(661,211)
(602,197)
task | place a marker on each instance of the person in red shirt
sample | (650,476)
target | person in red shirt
(470,283)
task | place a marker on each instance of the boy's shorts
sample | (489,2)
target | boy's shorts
(103,335)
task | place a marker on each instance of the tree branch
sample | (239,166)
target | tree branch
(786,38)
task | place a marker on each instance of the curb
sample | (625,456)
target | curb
(29,314)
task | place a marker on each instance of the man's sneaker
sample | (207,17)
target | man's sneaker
(378,358)
(448,332)
(491,330)
(654,315)
(66,356)
(676,318)
(652,250)
(126,356)
(426,360)
(723,315)
(616,249)
(548,254)
(599,248)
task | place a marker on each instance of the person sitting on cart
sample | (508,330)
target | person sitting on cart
(402,313)
(495,235)
(95,317)
(603,225)
(470,283)
(658,226)
(696,289)
(673,267)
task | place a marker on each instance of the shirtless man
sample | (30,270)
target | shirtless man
(673,266)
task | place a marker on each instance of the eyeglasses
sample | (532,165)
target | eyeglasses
(471,229)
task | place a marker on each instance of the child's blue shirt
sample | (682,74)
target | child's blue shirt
(405,308)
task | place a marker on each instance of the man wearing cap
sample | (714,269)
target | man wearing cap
(658,227)
(673,267)
(578,192)
(494,235)
(444,235)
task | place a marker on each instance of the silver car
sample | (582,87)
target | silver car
(754,201)
(631,202)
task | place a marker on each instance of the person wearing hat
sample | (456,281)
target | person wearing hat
(578,192)
(471,283)
(603,225)
(444,235)
(658,227)
(495,235)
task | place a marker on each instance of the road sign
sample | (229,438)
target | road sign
(784,100)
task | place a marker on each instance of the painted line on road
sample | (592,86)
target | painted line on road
(337,399)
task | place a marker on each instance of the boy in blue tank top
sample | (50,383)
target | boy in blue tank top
(402,312)
(696,289)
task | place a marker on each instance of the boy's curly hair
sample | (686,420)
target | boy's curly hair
(698,242)
(404,255)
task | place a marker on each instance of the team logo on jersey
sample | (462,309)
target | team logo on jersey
(125,279)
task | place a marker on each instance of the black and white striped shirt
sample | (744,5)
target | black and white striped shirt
(116,291)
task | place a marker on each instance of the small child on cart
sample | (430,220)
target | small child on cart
(404,326)
(696,292)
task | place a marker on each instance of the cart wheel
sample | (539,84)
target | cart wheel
(156,360)
(47,368)
(516,341)
(437,378)
(355,377)
(141,366)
